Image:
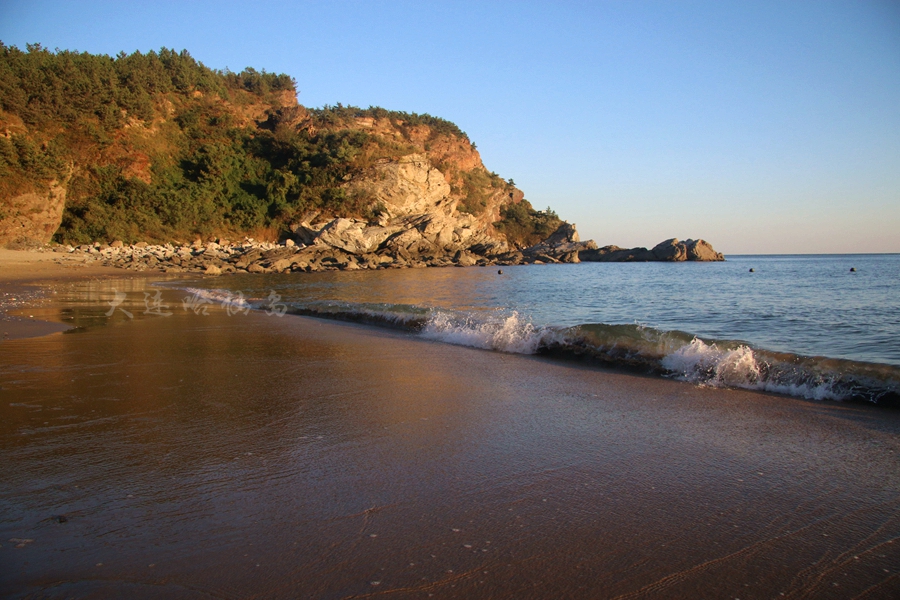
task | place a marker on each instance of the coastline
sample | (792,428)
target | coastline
(28,278)
(670,352)
(18,267)
(243,454)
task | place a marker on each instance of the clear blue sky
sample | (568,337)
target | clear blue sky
(762,127)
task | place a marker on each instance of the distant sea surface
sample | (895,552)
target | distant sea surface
(816,326)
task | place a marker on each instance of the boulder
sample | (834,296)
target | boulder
(670,250)
(464,259)
(354,236)
(248,258)
(270,257)
(280,266)
(701,250)
(305,233)
(404,240)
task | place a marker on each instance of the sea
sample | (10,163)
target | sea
(823,327)
(472,434)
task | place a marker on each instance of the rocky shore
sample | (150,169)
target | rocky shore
(348,245)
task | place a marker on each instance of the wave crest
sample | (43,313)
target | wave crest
(699,362)
(815,378)
(677,354)
(498,331)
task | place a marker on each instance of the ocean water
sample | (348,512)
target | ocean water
(225,453)
(815,326)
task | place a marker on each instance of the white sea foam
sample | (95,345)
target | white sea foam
(219,296)
(504,332)
(823,390)
(707,364)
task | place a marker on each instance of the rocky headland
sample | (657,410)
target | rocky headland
(414,221)
(188,153)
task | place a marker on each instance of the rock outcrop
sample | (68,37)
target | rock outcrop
(670,250)
(415,218)
(31,219)
(407,249)
(563,245)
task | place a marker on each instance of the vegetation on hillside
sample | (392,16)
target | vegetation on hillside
(525,226)
(343,116)
(159,147)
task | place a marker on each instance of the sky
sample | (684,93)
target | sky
(761,127)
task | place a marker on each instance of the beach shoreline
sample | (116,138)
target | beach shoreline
(29,277)
(210,452)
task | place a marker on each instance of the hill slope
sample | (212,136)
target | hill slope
(158,147)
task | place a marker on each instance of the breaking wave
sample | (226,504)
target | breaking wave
(676,354)
(816,377)
(223,298)
(493,331)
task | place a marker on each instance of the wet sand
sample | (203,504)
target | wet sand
(234,456)
(28,277)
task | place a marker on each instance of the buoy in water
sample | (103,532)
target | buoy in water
(500,272)
(853,269)
(752,270)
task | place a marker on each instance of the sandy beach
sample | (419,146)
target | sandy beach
(28,277)
(214,455)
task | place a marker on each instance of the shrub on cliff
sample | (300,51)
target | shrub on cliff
(340,115)
(524,226)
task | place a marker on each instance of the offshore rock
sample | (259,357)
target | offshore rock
(701,250)
(563,245)
(616,254)
(670,250)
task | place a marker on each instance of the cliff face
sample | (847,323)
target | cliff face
(32,218)
(472,187)
(416,208)
(433,196)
